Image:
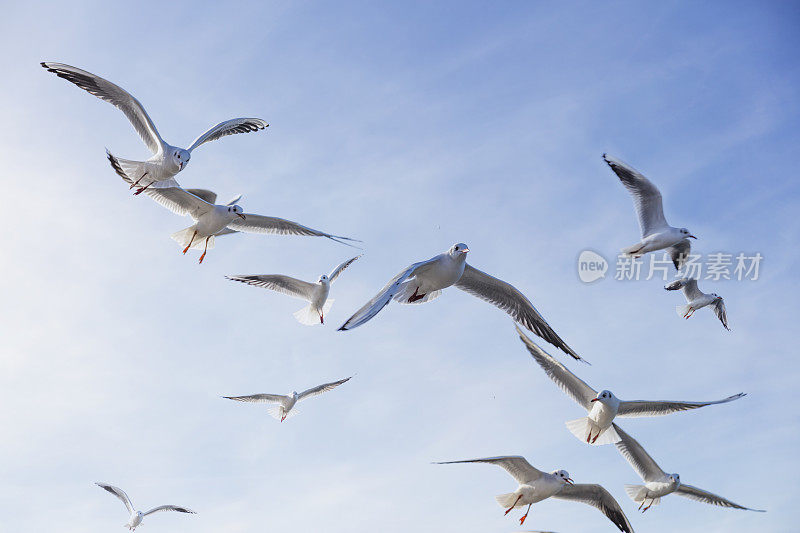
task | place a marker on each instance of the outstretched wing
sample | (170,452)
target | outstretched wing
(638,458)
(700,495)
(168,508)
(258,398)
(339,269)
(116,96)
(319,389)
(568,382)
(719,310)
(516,465)
(229,127)
(680,252)
(506,297)
(597,496)
(380,300)
(637,408)
(204,194)
(276,282)
(646,196)
(119,493)
(261,224)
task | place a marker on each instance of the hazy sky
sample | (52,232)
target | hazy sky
(412,127)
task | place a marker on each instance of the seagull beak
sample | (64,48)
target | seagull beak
(465,250)
(595,400)
(569,480)
(692,237)
(241,216)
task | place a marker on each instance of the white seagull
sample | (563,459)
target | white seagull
(314,293)
(137,516)
(603,407)
(535,486)
(697,299)
(212,220)
(656,233)
(286,403)
(167,160)
(424,281)
(657,483)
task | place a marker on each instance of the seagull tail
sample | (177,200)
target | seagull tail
(683,310)
(637,493)
(583,428)
(309,314)
(507,500)
(408,294)
(277,412)
(633,251)
(183,237)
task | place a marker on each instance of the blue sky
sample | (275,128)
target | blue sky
(411,126)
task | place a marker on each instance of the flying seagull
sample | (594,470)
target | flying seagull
(314,293)
(212,220)
(697,299)
(286,403)
(424,281)
(657,483)
(535,486)
(167,160)
(603,407)
(656,233)
(137,516)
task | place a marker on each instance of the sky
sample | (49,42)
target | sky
(410,126)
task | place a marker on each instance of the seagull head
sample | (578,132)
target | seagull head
(236,210)
(563,475)
(716,296)
(675,479)
(458,250)
(180,158)
(323,279)
(605,397)
(687,234)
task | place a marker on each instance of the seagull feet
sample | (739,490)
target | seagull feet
(283,418)
(522,520)
(202,256)
(595,437)
(648,507)
(135,183)
(321,319)
(512,507)
(415,297)
(142,189)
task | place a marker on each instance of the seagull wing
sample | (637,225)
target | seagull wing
(516,465)
(168,508)
(205,194)
(285,284)
(116,96)
(700,495)
(633,452)
(646,196)
(261,224)
(568,382)
(339,269)
(234,200)
(506,297)
(319,389)
(119,493)
(597,496)
(719,310)
(679,252)
(229,127)
(637,408)
(691,291)
(379,301)
(258,398)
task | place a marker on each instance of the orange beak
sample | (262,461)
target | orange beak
(594,400)
(465,250)
(569,480)
(241,216)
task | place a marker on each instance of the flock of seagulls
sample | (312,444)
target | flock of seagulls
(418,283)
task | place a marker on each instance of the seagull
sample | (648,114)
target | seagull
(211,197)
(657,483)
(697,299)
(286,403)
(603,406)
(535,486)
(213,219)
(424,281)
(656,233)
(137,516)
(167,160)
(314,293)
